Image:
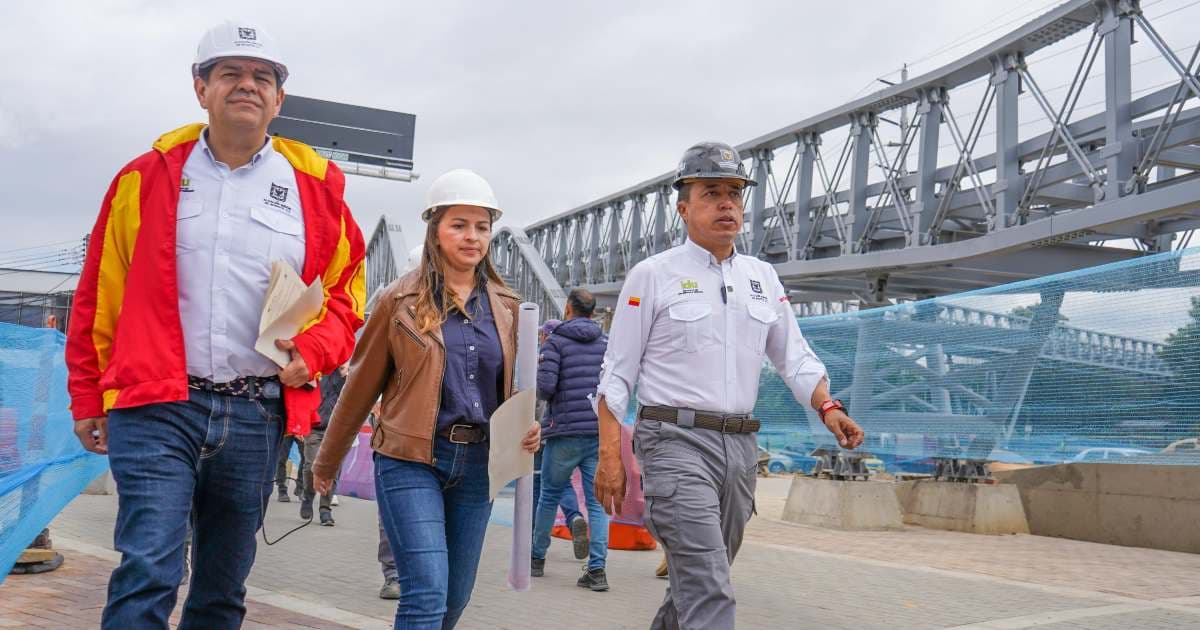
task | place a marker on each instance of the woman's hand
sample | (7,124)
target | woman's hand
(533,438)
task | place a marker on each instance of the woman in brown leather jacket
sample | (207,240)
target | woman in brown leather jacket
(439,347)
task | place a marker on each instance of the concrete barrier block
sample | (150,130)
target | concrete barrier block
(963,507)
(847,505)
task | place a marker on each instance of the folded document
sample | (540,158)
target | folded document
(288,308)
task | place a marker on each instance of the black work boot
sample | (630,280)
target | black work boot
(537,567)
(306,509)
(283,495)
(593,579)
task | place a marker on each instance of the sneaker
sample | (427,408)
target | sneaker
(283,495)
(579,537)
(333,501)
(306,509)
(390,589)
(593,579)
(537,567)
(327,518)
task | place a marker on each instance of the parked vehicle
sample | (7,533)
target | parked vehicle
(1189,445)
(1099,454)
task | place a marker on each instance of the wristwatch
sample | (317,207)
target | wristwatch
(829,405)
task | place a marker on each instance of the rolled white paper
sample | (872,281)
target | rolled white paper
(526,372)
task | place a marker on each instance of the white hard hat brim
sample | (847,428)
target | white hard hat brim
(197,68)
(496,213)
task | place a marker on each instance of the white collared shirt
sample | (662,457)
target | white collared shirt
(683,345)
(230,227)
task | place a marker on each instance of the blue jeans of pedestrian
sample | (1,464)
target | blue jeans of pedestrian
(568,502)
(209,458)
(435,517)
(560,457)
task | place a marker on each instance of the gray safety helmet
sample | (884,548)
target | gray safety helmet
(711,160)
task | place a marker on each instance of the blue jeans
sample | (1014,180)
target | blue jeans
(560,456)
(568,502)
(211,458)
(435,517)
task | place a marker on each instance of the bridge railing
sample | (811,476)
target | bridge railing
(887,196)
(523,268)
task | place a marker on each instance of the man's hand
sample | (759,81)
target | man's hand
(93,434)
(847,431)
(610,482)
(533,438)
(296,373)
(322,485)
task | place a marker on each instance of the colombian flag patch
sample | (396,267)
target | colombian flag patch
(635,301)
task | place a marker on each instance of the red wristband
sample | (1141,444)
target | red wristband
(829,405)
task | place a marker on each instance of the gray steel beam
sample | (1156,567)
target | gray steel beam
(758,201)
(929,116)
(861,128)
(1117,27)
(807,144)
(1009,183)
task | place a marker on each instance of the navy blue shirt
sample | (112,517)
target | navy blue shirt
(472,382)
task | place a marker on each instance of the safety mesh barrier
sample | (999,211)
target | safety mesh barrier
(1098,365)
(42,464)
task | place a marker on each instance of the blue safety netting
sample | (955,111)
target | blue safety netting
(1101,364)
(42,464)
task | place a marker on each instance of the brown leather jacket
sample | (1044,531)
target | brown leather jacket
(393,359)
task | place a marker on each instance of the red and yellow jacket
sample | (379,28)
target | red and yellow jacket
(125,342)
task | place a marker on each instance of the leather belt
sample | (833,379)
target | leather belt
(264,387)
(465,433)
(722,422)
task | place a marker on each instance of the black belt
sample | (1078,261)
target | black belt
(265,387)
(465,433)
(723,422)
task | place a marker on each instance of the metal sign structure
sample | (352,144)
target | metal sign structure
(362,140)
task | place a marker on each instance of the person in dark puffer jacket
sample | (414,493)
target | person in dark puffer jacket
(568,374)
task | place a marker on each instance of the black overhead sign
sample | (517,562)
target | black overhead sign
(348,133)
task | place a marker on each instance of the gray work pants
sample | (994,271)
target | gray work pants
(699,488)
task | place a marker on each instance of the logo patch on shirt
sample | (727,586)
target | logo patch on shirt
(277,199)
(756,286)
(185,185)
(689,286)
(635,301)
(279,193)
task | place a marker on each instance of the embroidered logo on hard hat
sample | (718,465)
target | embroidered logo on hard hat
(247,33)
(279,193)
(726,154)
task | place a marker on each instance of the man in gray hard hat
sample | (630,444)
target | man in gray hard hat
(690,331)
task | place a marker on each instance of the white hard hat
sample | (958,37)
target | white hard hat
(460,187)
(238,39)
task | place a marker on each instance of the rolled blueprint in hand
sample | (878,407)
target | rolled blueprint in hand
(527,354)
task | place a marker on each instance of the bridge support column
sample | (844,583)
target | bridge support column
(861,129)
(1117,27)
(635,231)
(1008,186)
(806,145)
(929,116)
(758,201)
(614,242)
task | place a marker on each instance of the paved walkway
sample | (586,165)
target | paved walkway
(787,576)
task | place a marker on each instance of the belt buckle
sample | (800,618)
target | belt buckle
(729,422)
(453,429)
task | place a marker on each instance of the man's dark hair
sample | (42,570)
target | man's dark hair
(685,192)
(582,302)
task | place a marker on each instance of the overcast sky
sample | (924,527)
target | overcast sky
(556,103)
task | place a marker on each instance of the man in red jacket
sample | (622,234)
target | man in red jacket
(164,377)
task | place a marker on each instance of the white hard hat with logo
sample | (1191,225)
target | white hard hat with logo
(460,187)
(238,39)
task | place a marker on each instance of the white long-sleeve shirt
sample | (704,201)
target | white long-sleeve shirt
(230,226)
(684,345)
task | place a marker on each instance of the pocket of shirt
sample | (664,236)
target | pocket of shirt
(692,325)
(758,325)
(188,229)
(286,234)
